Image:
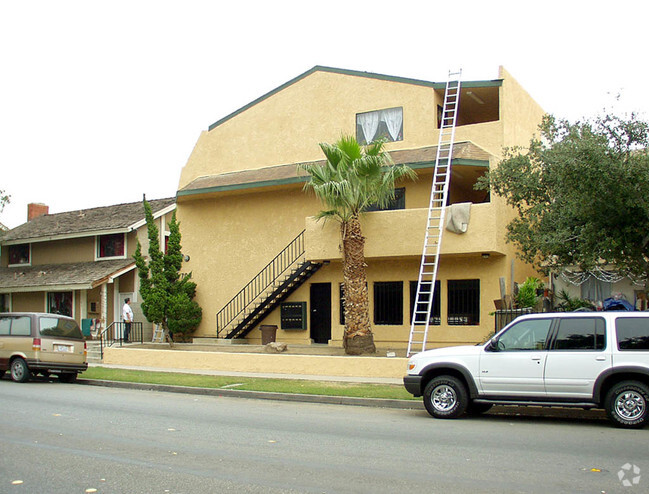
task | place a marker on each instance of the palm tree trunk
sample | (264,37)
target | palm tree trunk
(358,338)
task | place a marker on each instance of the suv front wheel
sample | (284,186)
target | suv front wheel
(626,404)
(446,397)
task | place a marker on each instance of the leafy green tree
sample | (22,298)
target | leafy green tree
(582,195)
(352,179)
(167,295)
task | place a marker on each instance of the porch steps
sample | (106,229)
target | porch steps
(94,351)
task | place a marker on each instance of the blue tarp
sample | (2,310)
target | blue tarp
(617,304)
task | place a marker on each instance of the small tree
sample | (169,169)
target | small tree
(167,295)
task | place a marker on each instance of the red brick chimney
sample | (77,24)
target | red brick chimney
(34,210)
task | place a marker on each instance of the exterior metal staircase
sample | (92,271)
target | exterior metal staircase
(276,281)
(435,223)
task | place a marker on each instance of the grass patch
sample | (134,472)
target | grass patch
(295,386)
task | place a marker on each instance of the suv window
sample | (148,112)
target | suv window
(632,333)
(62,328)
(581,334)
(525,335)
(16,326)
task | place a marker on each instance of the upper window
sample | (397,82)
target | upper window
(111,245)
(19,254)
(397,202)
(463,302)
(581,334)
(380,124)
(632,333)
(388,302)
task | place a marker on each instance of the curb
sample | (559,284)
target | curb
(260,395)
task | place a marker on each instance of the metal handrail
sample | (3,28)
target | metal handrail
(106,338)
(265,279)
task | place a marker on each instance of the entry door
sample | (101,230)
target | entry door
(320,320)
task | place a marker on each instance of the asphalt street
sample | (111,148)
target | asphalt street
(67,438)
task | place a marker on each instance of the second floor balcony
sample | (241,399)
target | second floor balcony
(400,233)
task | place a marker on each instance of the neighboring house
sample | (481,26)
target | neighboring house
(78,263)
(242,207)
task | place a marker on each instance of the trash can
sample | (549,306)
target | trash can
(268,333)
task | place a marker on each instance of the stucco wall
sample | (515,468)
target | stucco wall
(271,364)
(231,235)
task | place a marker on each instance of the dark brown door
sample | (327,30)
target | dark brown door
(320,320)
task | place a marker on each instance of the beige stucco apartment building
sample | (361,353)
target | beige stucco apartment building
(242,208)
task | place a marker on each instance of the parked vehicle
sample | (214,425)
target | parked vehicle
(578,359)
(38,343)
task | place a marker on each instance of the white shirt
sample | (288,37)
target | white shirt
(127,313)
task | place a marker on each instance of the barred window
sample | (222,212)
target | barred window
(463,302)
(388,302)
(435,310)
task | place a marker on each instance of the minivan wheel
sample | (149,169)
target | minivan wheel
(626,404)
(68,377)
(446,397)
(19,371)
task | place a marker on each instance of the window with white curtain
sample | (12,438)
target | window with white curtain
(386,124)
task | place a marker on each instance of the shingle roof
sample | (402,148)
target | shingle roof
(80,275)
(284,174)
(106,218)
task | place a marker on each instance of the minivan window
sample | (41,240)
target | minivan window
(632,333)
(62,328)
(5,324)
(583,333)
(21,326)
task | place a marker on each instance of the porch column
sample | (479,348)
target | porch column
(103,305)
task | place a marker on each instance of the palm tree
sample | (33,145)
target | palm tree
(354,178)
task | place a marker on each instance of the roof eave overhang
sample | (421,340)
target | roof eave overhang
(65,236)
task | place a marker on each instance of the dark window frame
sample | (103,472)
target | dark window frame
(19,254)
(573,342)
(110,244)
(397,202)
(388,303)
(436,309)
(634,340)
(463,302)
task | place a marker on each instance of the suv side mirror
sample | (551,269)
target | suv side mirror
(492,346)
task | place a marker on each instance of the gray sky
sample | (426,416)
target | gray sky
(102,101)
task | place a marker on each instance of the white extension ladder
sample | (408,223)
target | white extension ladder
(435,223)
(158,334)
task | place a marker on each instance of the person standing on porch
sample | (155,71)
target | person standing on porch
(127,316)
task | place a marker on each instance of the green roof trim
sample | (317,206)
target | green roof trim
(301,179)
(247,185)
(355,73)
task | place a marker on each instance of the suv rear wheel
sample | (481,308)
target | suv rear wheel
(626,404)
(446,397)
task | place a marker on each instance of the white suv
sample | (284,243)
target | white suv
(578,359)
